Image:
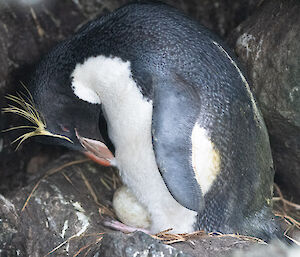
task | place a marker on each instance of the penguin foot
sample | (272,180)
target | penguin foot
(117,225)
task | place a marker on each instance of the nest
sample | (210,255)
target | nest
(287,210)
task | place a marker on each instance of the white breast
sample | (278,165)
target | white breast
(108,80)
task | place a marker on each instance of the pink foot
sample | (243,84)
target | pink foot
(114,224)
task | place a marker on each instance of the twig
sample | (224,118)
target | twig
(72,237)
(294,205)
(287,236)
(95,198)
(168,238)
(105,184)
(281,197)
(86,246)
(67,178)
(60,245)
(289,219)
(89,187)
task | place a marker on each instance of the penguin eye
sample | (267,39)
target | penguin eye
(64,128)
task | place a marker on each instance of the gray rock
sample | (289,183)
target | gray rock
(137,244)
(215,246)
(63,209)
(275,249)
(28,31)
(268,44)
(9,221)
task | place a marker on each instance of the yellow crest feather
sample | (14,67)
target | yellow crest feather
(24,107)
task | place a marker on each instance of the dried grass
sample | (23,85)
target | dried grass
(49,173)
(289,212)
(168,238)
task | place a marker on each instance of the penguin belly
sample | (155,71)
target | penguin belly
(134,154)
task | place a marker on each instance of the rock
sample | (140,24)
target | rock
(139,244)
(136,244)
(36,163)
(9,221)
(28,31)
(93,8)
(275,249)
(216,246)
(64,208)
(268,44)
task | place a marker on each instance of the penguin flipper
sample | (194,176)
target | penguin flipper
(175,111)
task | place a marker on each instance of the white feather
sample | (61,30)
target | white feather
(129,118)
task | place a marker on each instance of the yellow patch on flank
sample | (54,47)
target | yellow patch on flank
(26,109)
(205,158)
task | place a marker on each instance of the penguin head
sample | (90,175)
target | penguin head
(57,115)
(78,122)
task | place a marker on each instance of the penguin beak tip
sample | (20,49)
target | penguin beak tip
(96,151)
(100,160)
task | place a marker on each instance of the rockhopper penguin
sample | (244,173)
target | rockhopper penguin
(177,118)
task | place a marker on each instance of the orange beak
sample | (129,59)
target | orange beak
(96,150)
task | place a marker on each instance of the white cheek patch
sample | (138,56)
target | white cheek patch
(101,79)
(205,159)
(85,93)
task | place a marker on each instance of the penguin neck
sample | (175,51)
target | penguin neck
(108,81)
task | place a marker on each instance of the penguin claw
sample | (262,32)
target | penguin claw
(117,225)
